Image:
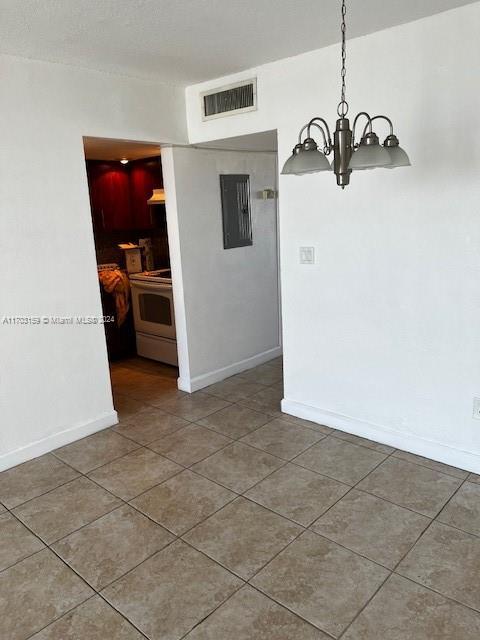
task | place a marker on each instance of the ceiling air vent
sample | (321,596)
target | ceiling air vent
(233,98)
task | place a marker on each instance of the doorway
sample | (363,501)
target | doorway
(127,203)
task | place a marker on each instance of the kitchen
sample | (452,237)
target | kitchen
(127,202)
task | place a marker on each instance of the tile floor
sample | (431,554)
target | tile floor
(215,516)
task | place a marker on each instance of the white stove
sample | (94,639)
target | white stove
(153,315)
(163,276)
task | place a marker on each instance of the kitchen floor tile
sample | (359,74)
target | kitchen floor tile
(35,592)
(106,549)
(340,460)
(249,615)
(235,421)
(95,450)
(463,510)
(149,425)
(411,485)
(125,406)
(183,501)
(431,464)
(169,594)
(238,466)
(370,444)
(372,527)
(190,445)
(135,473)
(243,536)
(403,610)
(234,388)
(195,406)
(92,620)
(33,478)
(448,561)
(321,582)
(63,510)
(282,439)
(17,542)
(297,493)
(474,478)
(263,374)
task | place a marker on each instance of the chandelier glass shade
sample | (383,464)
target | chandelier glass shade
(348,155)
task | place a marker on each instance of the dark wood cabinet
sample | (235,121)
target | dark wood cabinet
(145,176)
(119,193)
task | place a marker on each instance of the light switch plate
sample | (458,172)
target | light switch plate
(307,255)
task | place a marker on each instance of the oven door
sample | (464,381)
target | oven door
(153,308)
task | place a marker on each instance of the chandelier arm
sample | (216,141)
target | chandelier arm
(369,125)
(305,126)
(326,145)
(379,117)
(313,122)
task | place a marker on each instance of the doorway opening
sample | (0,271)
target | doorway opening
(127,204)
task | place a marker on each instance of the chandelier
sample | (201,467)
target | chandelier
(348,155)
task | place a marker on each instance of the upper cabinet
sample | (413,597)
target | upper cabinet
(119,193)
(145,176)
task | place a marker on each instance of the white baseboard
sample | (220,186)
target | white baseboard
(38,448)
(468,460)
(206,379)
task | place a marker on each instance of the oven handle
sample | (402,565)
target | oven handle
(150,286)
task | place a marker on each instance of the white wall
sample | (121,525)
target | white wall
(54,382)
(226,300)
(382,335)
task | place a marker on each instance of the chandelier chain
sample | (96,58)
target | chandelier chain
(343,105)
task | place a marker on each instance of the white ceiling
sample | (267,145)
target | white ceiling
(112,149)
(185,41)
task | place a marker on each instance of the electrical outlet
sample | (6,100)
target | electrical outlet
(476,408)
(307,255)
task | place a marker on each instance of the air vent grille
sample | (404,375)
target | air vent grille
(223,101)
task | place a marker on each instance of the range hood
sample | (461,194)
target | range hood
(158,197)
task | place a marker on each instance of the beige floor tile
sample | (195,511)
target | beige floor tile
(235,421)
(135,473)
(234,388)
(238,466)
(340,460)
(106,549)
(321,581)
(411,485)
(168,396)
(474,478)
(282,439)
(364,442)
(167,595)
(297,493)
(402,610)
(190,445)
(33,478)
(448,561)
(195,406)
(249,615)
(307,423)
(2,509)
(265,401)
(95,450)
(16,541)
(92,620)
(63,510)
(463,510)
(35,592)
(243,536)
(264,374)
(149,425)
(183,501)
(432,464)
(125,406)
(151,389)
(372,527)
